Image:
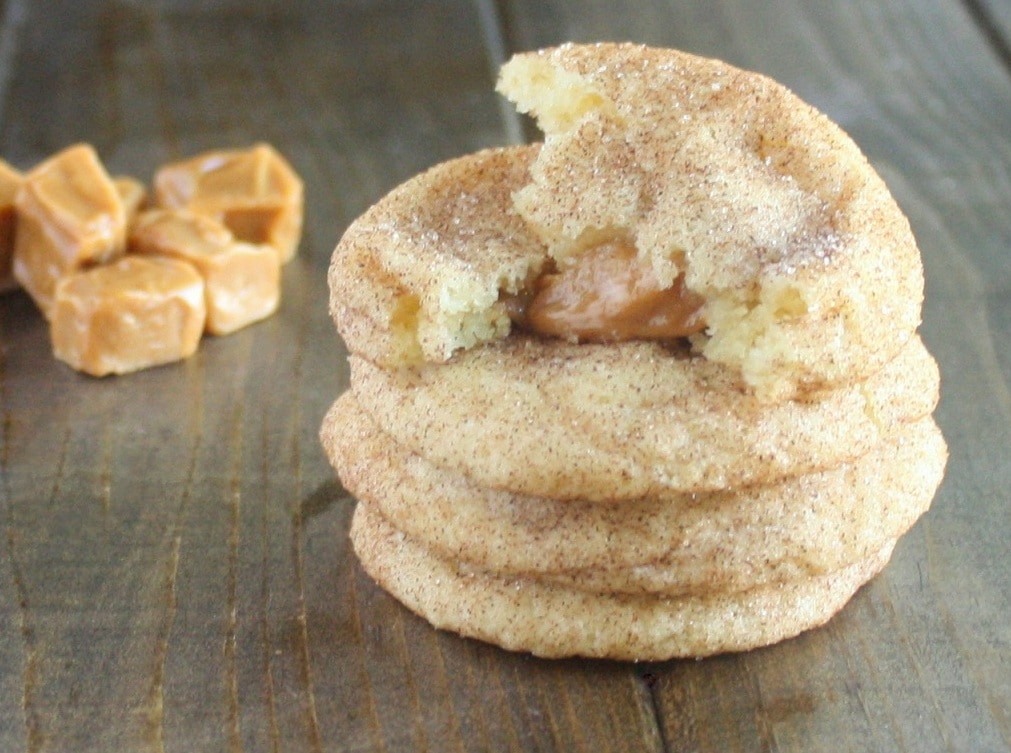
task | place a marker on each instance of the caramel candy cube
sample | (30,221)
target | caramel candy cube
(133,313)
(133,194)
(10,183)
(254,192)
(69,216)
(242,280)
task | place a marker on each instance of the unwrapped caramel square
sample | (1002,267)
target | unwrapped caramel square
(133,313)
(255,192)
(10,183)
(69,216)
(242,280)
(133,194)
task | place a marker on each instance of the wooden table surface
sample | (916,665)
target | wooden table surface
(174,567)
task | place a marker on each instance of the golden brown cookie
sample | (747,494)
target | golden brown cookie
(649,389)
(674,544)
(418,276)
(625,421)
(808,268)
(719,179)
(523,614)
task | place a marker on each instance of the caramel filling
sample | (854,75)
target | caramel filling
(606,296)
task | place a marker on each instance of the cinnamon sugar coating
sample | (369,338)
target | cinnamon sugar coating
(526,614)
(671,543)
(809,268)
(604,490)
(626,421)
(418,277)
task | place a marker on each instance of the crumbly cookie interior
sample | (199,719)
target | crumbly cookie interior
(421,275)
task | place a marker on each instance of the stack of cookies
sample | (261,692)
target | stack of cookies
(651,388)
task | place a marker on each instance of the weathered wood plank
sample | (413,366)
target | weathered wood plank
(920,659)
(994,20)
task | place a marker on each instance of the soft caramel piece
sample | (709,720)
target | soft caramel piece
(608,295)
(137,312)
(242,280)
(69,216)
(10,182)
(255,192)
(133,193)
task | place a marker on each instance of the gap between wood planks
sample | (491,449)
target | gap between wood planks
(12,15)
(498,41)
(991,30)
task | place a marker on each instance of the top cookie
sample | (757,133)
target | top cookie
(808,269)
(720,181)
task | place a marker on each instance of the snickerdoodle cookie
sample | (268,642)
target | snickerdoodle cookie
(718,183)
(673,543)
(525,614)
(626,420)
(650,388)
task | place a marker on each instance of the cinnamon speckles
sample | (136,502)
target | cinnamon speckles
(563,493)
(692,156)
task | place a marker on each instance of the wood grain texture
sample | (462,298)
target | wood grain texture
(174,566)
(994,20)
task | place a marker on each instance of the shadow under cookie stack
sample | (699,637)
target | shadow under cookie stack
(649,389)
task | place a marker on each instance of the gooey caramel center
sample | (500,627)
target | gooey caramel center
(607,295)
